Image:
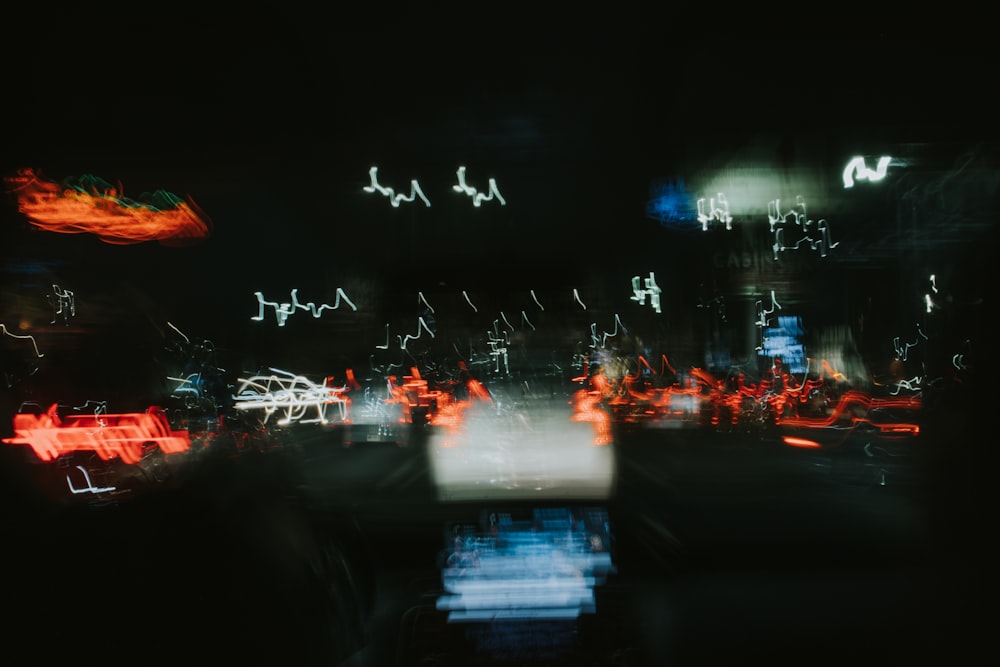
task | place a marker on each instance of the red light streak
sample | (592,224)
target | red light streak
(800,442)
(109,435)
(99,209)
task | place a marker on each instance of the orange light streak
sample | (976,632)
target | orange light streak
(97,208)
(800,442)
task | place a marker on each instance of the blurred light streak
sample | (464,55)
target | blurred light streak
(421,299)
(477,197)
(96,207)
(90,488)
(421,326)
(779,224)
(650,289)
(283,311)
(469,301)
(857,169)
(576,297)
(4,330)
(394,198)
(903,351)
(65,304)
(525,320)
(109,435)
(535,299)
(719,213)
(844,413)
(602,341)
(800,442)
(292,394)
(762,313)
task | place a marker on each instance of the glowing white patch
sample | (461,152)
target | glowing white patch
(857,169)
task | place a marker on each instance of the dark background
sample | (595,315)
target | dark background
(270,123)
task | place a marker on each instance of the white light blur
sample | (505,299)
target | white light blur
(779,224)
(421,327)
(294,396)
(469,301)
(651,289)
(90,488)
(857,169)
(65,304)
(3,330)
(718,212)
(478,197)
(282,311)
(602,341)
(518,450)
(394,198)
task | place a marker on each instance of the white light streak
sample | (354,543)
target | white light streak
(421,299)
(913,384)
(801,220)
(179,332)
(720,212)
(576,297)
(394,198)
(498,348)
(469,301)
(524,318)
(283,311)
(90,488)
(3,330)
(651,289)
(762,314)
(421,326)
(186,385)
(857,169)
(65,304)
(535,299)
(477,197)
(902,351)
(604,339)
(294,395)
